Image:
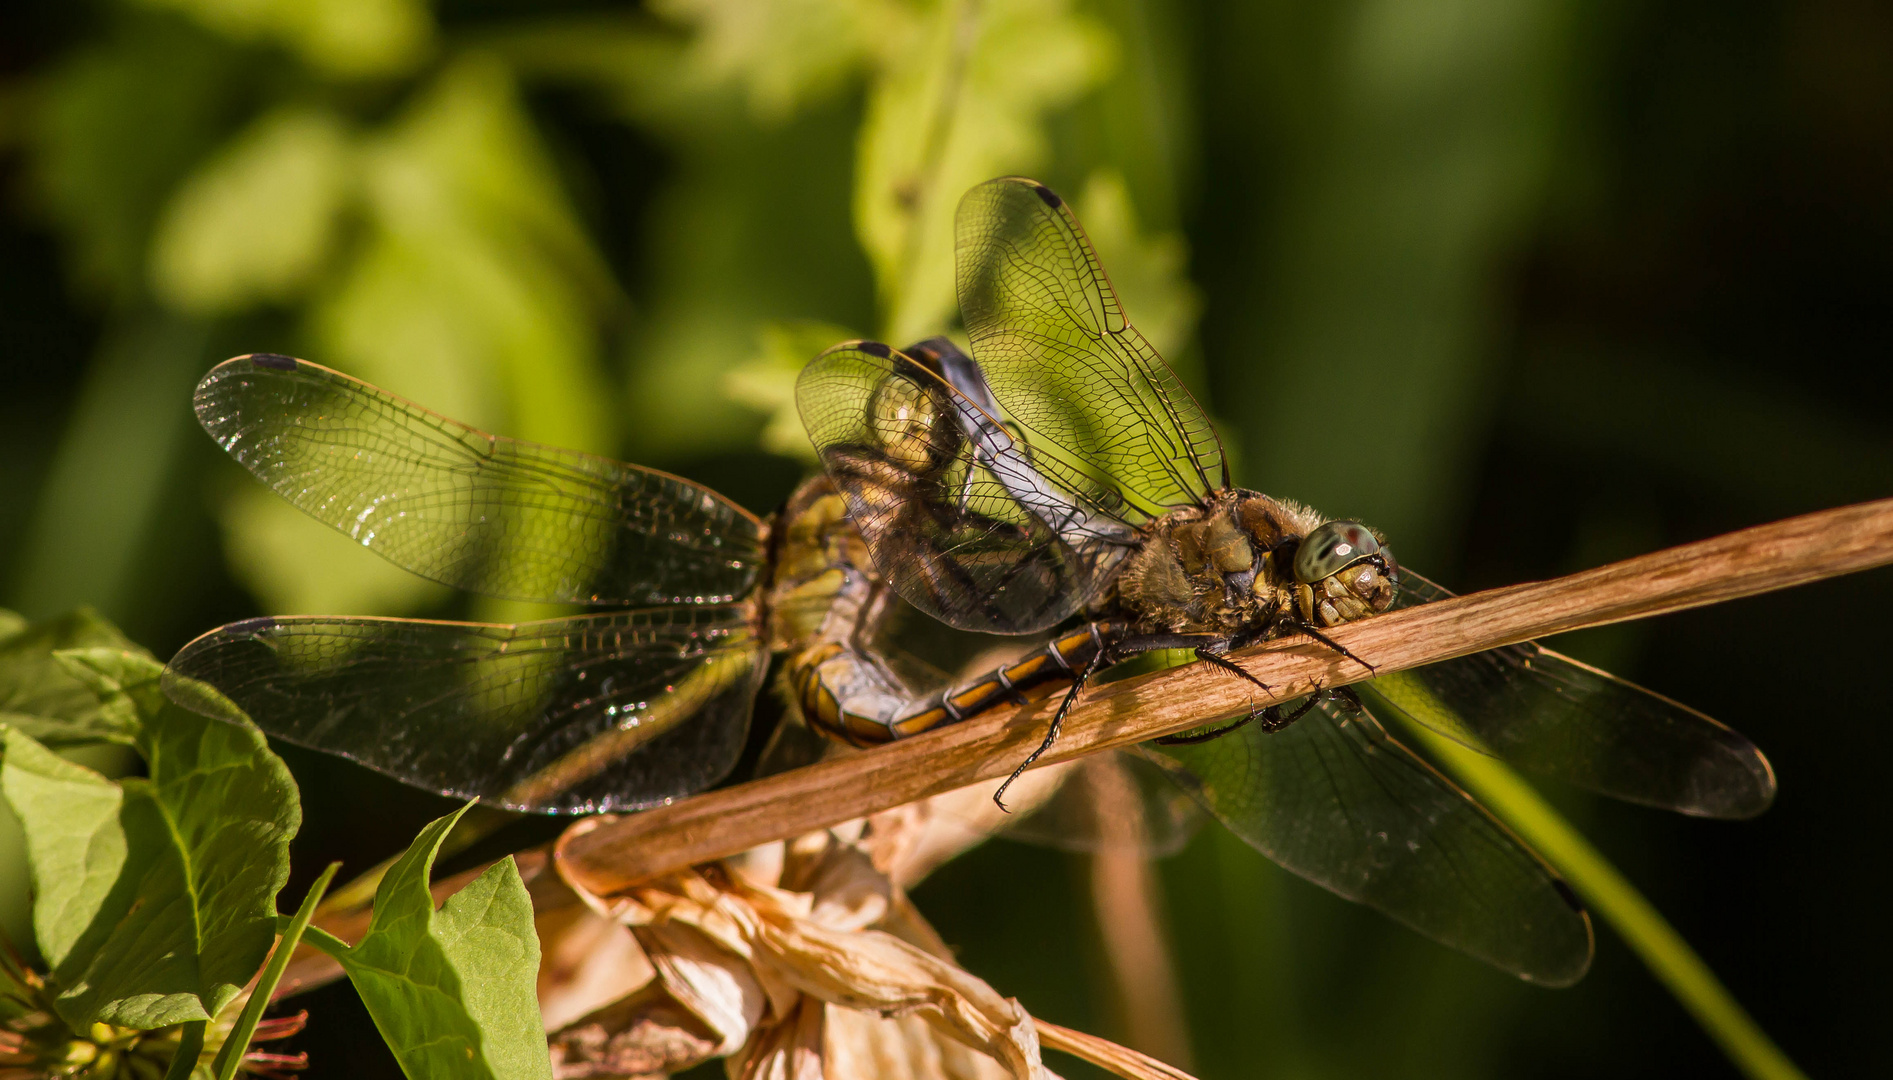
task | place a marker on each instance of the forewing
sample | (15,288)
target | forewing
(456,505)
(1334,798)
(963,522)
(1062,358)
(1565,719)
(614,711)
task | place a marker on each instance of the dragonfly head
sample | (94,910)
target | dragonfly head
(1343,572)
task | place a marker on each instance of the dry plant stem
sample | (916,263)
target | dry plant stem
(1105,1054)
(722,823)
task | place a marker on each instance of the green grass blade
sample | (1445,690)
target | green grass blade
(1617,902)
(238,1041)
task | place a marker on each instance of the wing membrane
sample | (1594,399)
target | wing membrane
(614,711)
(966,525)
(1049,332)
(456,505)
(1562,718)
(1338,801)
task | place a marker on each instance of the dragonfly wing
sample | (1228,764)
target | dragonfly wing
(587,714)
(1338,801)
(456,505)
(1049,332)
(965,523)
(1556,716)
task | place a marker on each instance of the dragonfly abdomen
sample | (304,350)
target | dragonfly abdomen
(844,693)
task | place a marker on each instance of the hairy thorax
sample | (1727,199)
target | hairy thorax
(1223,567)
(1244,565)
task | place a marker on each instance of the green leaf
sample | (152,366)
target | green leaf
(339,37)
(75,839)
(766,383)
(156,896)
(45,697)
(255,223)
(474,290)
(452,991)
(125,684)
(786,53)
(230,1055)
(1150,270)
(115,127)
(960,101)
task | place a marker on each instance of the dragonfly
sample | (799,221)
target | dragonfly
(643,697)
(1063,474)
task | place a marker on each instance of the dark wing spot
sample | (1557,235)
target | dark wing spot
(875,348)
(1570,897)
(259,625)
(1051,198)
(273,360)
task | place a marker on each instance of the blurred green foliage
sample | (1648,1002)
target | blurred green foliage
(1531,286)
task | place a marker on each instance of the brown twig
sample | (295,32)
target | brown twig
(721,823)
(1105,1054)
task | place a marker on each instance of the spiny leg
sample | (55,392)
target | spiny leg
(1310,631)
(1217,659)
(1271,717)
(1058,719)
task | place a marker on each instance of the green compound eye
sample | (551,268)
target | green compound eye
(1332,548)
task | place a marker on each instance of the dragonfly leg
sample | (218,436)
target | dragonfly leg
(1273,720)
(1100,660)
(1111,652)
(1305,629)
(1212,654)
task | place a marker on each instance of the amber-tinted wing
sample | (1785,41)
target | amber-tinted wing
(1337,800)
(459,506)
(1062,358)
(966,524)
(1564,719)
(614,711)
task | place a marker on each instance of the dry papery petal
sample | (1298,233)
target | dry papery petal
(826,971)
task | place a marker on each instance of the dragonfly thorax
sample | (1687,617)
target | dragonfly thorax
(1228,566)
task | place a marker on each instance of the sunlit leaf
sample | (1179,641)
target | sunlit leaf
(474,292)
(1151,271)
(767,382)
(962,102)
(477,292)
(156,896)
(75,836)
(47,699)
(256,222)
(452,990)
(785,53)
(339,37)
(115,127)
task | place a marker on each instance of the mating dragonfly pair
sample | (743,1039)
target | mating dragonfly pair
(1061,477)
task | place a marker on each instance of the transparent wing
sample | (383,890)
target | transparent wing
(1564,719)
(459,506)
(614,711)
(965,524)
(1049,332)
(1337,800)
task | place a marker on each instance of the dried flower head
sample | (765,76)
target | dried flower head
(799,960)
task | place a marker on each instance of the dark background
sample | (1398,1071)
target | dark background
(1531,286)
